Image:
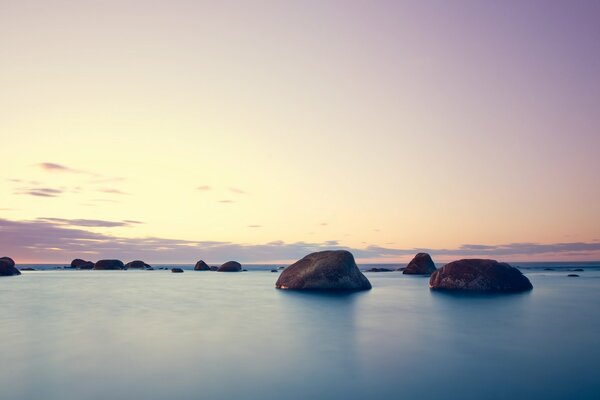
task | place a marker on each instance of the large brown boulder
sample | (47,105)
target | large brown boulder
(421,264)
(230,266)
(7,267)
(137,264)
(109,264)
(201,266)
(82,264)
(324,270)
(479,275)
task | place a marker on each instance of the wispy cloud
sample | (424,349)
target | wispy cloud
(40,191)
(204,188)
(32,239)
(236,190)
(226,201)
(254,226)
(112,191)
(87,222)
(53,167)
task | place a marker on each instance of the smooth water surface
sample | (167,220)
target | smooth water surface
(82,335)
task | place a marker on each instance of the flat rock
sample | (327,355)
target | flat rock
(421,264)
(81,264)
(573,276)
(230,266)
(177,270)
(324,270)
(7,267)
(379,270)
(201,266)
(479,275)
(137,264)
(109,265)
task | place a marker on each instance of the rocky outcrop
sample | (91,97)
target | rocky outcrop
(81,264)
(109,265)
(230,266)
(324,270)
(375,269)
(137,264)
(177,270)
(573,276)
(201,266)
(214,268)
(7,267)
(479,275)
(421,264)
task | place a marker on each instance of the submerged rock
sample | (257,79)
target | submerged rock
(201,266)
(479,275)
(230,266)
(573,275)
(274,270)
(109,265)
(577,270)
(379,270)
(137,264)
(177,270)
(81,264)
(324,270)
(27,269)
(421,264)
(7,267)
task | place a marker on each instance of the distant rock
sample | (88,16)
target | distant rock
(81,264)
(137,264)
(109,265)
(548,269)
(176,270)
(577,270)
(479,275)
(324,270)
(244,270)
(201,266)
(281,268)
(230,266)
(27,269)
(374,269)
(7,267)
(214,268)
(421,264)
(573,275)
(274,270)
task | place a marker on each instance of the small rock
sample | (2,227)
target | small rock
(230,266)
(176,270)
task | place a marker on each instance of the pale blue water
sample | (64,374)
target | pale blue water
(85,335)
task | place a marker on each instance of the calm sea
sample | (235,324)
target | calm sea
(83,335)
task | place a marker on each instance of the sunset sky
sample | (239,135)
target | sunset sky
(172,131)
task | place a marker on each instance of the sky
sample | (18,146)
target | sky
(172,131)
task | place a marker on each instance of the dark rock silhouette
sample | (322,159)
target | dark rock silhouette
(577,270)
(214,268)
(7,267)
(230,266)
(421,264)
(548,269)
(375,269)
(573,275)
(201,266)
(176,270)
(479,275)
(109,265)
(81,264)
(137,264)
(27,269)
(274,270)
(324,270)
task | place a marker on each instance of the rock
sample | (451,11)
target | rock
(109,264)
(281,268)
(230,266)
(324,270)
(479,275)
(577,270)
(548,269)
(27,269)
(7,267)
(176,270)
(274,270)
(81,264)
(244,270)
(214,268)
(421,264)
(201,266)
(379,270)
(573,275)
(137,264)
